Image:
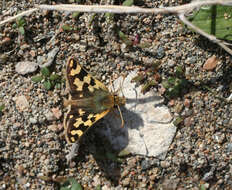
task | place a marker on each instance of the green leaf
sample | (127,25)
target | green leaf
(112,157)
(203,187)
(64,188)
(21,30)
(92,17)
(37,78)
(148,85)
(14,26)
(20,22)
(75,14)
(2,106)
(47,85)
(124,38)
(171,81)
(54,77)
(109,16)
(76,186)
(215,20)
(177,121)
(138,78)
(77,1)
(124,152)
(128,3)
(45,72)
(179,71)
(144,45)
(58,86)
(98,187)
(66,27)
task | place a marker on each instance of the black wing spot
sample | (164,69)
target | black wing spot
(82,74)
(92,82)
(76,137)
(83,127)
(74,64)
(84,118)
(93,119)
(85,87)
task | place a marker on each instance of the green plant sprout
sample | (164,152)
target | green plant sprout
(110,16)
(128,3)
(20,24)
(148,84)
(48,79)
(175,84)
(71,184)
(2,106)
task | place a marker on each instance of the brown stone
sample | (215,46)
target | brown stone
(187,102)
(57,113)
(211,63)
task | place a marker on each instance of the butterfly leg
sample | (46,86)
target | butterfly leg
(122,125)
(120,115)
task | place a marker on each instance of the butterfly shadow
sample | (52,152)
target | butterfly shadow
(113,140)
(110,139)
(107,142)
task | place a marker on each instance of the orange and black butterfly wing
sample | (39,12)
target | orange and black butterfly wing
(88,93)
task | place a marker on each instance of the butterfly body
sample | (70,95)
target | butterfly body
(88,102)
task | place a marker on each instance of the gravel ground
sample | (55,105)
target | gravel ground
(32,142)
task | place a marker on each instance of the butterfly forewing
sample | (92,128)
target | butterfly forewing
(80,82)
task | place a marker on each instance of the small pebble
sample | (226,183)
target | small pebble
(211,63)
(26,67)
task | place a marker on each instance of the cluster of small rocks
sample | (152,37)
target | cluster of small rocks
(32,143)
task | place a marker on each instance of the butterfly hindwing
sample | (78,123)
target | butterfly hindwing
(78,121)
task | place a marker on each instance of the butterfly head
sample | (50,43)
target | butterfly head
(118,100)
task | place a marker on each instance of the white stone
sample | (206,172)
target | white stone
(229,98)
(25,67)
(148,128)
(21,103)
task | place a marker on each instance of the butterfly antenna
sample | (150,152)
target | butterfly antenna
(121,84)
(112,84)
(122,125)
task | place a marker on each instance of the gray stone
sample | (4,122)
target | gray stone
(46,61)
(49,116)
(33,120)
(160,53)
(229,98)
(229,147)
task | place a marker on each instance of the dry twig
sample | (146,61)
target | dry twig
(133,9)
(24,13)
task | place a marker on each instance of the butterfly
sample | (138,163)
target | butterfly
(89,100)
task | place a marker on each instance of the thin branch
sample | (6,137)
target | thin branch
(28,12)
(210,37)
(132,9)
